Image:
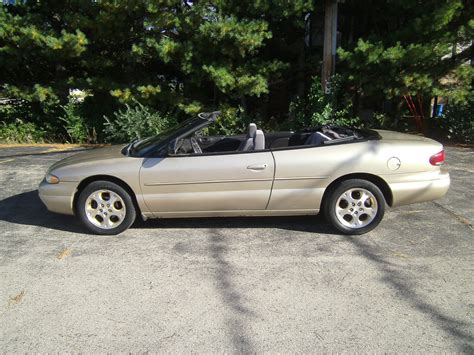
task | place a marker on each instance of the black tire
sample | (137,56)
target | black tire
(127,209)
(344,221)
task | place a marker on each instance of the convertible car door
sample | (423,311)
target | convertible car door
(200,183)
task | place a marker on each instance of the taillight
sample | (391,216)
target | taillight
(438,158)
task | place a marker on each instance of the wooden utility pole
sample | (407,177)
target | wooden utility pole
(329,49)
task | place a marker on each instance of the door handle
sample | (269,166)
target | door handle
(257,167)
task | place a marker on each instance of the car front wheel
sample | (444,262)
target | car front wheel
(355,206)
(105,208)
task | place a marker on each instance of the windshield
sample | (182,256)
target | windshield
(161,140)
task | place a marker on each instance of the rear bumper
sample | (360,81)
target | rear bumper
(58,197)
(419,188)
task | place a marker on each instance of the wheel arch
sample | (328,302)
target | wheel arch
(108,178)
(376,180)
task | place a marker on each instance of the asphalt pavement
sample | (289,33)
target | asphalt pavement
(234,285)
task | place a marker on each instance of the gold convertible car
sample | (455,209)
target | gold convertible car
(349,174)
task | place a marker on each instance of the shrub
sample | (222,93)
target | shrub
(21,132)
(228,122)
(318,108)
(136,121)
(382,120)
(457,121)
(75,124)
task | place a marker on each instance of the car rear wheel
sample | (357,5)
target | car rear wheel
(355,206)
(105,208)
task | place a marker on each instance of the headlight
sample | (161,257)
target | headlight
(51,179)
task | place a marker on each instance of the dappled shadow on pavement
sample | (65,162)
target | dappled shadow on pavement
(235,311)
(395,279)
(27,209)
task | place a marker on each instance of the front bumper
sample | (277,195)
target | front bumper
(58,198)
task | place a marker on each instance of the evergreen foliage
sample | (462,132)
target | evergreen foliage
(251,58)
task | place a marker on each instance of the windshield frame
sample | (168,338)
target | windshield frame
(158,145)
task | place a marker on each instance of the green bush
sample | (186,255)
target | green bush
(136,121)
(381,120)
(75,124)
(228,123)
(10,112)
(318,108)
(21,132)
(457,121)
(23,116)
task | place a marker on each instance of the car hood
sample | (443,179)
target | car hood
(93,155)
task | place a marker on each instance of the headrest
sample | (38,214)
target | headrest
(251,130)
(258,140)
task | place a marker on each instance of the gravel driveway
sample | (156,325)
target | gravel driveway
(234,284)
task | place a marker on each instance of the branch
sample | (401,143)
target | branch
(466,54)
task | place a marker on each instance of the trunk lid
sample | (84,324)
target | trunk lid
(398,136)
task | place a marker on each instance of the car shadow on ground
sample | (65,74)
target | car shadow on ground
(310,224)
(27,209)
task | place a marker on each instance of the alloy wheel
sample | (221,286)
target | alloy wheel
(105,209)
(356,208)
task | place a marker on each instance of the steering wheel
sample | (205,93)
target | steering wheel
(196,147)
